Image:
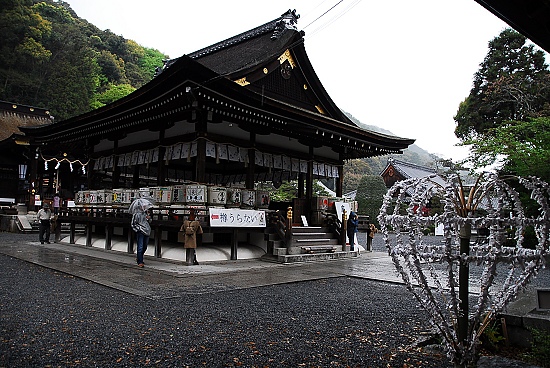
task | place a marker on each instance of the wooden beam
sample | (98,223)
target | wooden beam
(200,161)
(161,167)
(309,175)
(251,162)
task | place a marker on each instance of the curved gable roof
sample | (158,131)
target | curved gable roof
(198,81)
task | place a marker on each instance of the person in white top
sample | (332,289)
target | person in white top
(43,216)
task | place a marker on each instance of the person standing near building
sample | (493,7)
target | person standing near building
(190,228)
(43,216)
(56,203)
(353,224)
(370,235)
(141,224)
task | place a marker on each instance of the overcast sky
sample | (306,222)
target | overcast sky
(401,65)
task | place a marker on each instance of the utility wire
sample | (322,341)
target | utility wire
(322,15)
(333,19)
(301,40)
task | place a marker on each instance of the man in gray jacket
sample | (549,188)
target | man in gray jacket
(141,226)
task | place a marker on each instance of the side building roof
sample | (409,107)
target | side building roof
(409,170)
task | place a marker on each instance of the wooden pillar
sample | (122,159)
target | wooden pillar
(309,175)
(340,181)
(234,243)
(158,241)
(344,232)
(301,181)
(72,232)
(116,168)
(288,233)
(161,167)
(33,179)
(200,161)
(108,236)
(89,176)
(250,170)
(135,177)
(90,171)
(130,248)
(89,234)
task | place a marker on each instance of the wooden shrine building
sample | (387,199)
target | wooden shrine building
(15,152)
(396,170)
(248,109)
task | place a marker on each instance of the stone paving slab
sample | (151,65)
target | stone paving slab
(166,279)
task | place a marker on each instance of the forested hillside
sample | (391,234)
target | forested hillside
(51,58)
(355,169)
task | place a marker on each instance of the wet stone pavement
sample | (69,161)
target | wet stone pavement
(65,305)
(168,279)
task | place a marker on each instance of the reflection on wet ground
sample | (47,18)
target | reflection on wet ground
(167,279)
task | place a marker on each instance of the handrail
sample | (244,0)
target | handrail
(335,225)
(279,221)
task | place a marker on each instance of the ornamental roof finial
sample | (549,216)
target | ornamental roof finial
(288,20)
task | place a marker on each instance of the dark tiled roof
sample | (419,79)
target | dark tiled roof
(250,48)
(527,17)
(409,170)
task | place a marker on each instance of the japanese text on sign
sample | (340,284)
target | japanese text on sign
(233,217)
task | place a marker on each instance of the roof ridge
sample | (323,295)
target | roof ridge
(277,26)
(287,20)
(264,28)
(416,166)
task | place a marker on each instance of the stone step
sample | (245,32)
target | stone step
(311,242)
(313,257)
(320,249)
(311,234)
(315,240)
(308,229)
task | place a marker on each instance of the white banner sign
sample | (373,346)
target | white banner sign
(234,217)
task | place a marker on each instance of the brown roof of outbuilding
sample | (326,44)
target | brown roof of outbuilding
(13,115)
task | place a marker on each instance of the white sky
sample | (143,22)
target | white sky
(401,65)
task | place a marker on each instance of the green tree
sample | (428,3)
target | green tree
(289,190)
(22,52)
(51,58)
(112,67)
(111,94)
(513,83)
(370,195)
(353,172)
(520,147)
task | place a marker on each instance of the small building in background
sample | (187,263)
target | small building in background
(15,151)
(396,170)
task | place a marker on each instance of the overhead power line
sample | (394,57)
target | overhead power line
(334,18)
(322,15)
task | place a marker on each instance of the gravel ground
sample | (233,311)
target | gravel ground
(51,319)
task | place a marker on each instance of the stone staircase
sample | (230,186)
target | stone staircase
(309,243)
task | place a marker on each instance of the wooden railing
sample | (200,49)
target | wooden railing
(338,226)
(279,222)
